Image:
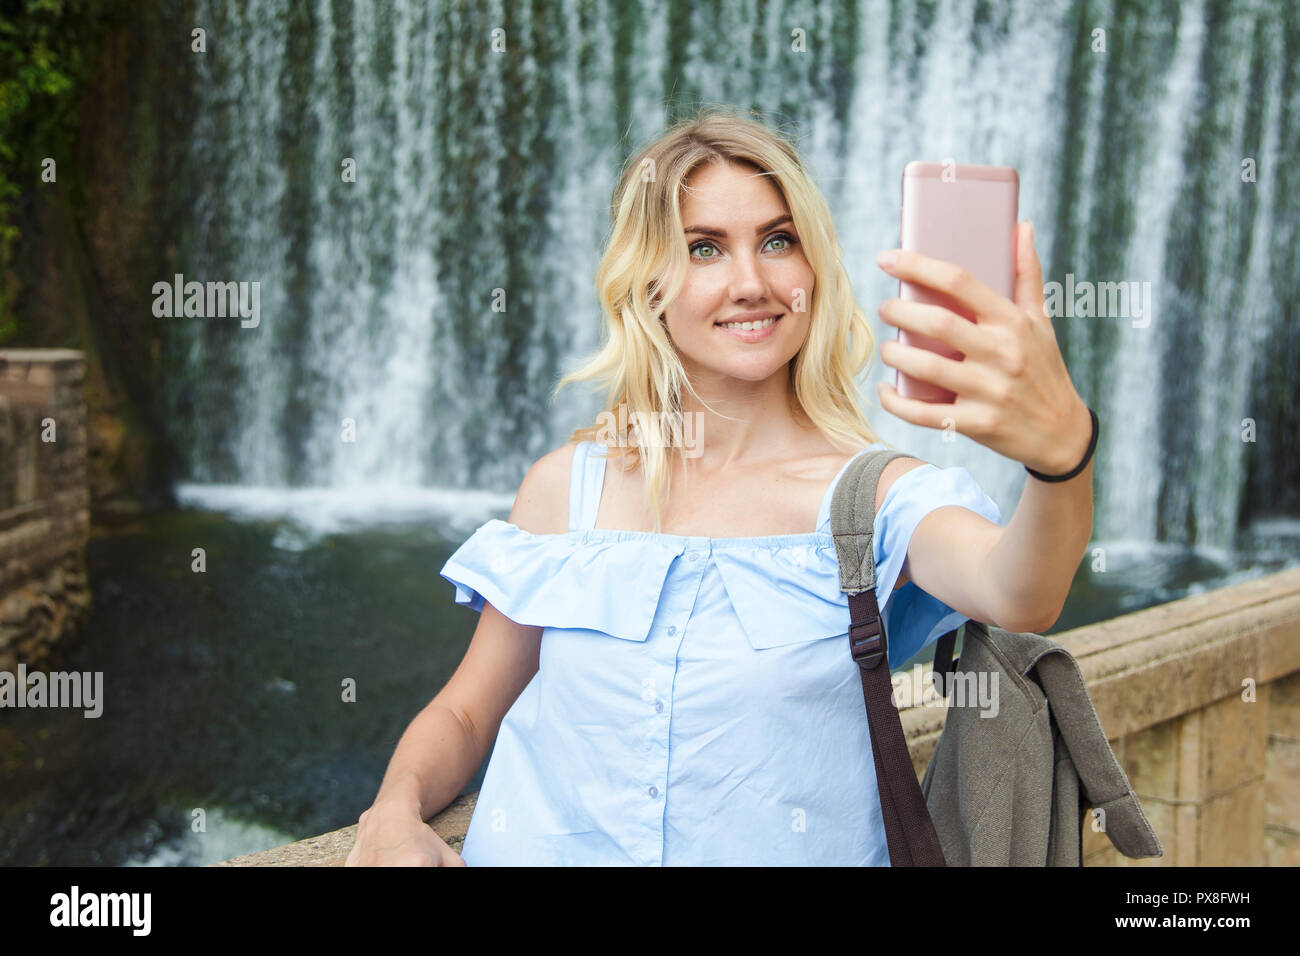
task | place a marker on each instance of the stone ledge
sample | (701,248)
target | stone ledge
(1142,669)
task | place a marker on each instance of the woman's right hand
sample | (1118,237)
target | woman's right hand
(392,836)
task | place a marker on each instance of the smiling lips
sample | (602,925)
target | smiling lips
(752,329)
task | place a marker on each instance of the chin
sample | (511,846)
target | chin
(746,371)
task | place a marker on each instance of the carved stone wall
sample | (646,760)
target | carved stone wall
(44,503)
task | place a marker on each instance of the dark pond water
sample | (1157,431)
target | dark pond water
(222,691)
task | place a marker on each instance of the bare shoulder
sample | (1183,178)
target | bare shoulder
(542,502)
(893,471)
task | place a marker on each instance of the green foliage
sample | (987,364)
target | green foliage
(43,53)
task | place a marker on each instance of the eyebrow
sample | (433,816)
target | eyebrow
(722,233)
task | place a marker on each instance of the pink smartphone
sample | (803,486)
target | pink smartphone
(964,214)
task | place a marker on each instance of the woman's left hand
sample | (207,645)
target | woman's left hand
(1014,394)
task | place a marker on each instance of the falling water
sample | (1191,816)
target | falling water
(484,163)
(482,179)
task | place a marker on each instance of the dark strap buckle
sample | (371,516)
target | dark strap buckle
(867,643)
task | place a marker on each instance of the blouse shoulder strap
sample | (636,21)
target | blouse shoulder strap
(586,482)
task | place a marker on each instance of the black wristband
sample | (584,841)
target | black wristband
(1087,457)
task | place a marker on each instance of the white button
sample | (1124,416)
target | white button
(693,556)
(672,629)
(659,706)
(654,791)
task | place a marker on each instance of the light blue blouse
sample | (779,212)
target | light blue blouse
(696,702)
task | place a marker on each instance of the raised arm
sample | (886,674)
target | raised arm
(1014,395)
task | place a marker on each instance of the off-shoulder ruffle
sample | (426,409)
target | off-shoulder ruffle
(785,595)
(563,580)
(785,589)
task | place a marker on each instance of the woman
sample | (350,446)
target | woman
(690,703)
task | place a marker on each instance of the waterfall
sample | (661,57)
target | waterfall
(484,163)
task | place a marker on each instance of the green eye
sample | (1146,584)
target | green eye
(789,243)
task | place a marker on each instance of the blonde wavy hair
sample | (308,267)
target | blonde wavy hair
(643,268)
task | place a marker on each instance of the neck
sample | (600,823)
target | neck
(741,422)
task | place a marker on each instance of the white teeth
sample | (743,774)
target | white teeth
(749,326)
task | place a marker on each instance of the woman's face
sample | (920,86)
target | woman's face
(745,258)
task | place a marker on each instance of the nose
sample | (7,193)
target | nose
(747,283)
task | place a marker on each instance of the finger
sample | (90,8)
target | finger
(926,414)
(938,323)
(956,376)
(945,277)
(1029,273)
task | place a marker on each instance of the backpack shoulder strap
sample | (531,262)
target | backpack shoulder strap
(909,830)
(853,516)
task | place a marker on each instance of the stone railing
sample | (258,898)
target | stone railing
(44,502)
(1200,699)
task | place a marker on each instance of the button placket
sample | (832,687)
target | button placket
(693,558)
(656,736)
